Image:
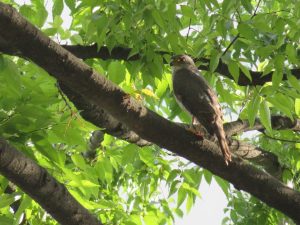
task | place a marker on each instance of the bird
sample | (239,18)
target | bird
(194,95)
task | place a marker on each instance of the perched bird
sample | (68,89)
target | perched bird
(193,94)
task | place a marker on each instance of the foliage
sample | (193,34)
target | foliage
(126,184)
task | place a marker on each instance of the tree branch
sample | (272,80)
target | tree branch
(122,53)
(267,160)
(278,123)
(42,187)
(99,117)
(96,89)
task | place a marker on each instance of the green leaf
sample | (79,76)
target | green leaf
(41,15)
(297,106)
(214,60)
(11,77)
(245,71)
(172,175)
(247,5)
(234,70)
(28,12)
(57,22)
(151,219)
(277,78)
(116,72)
(207,176)
(71,4)
(76,39)
(179,212)
(253,108)
(79,161)
(282,103)
(58,6)
(223,184)
(227,6)
(25,204)
(50,31)
(130,154)
(158,18)
(291,53)
(161,88)
(147,156)
(279,62)
(265,116)
(174,187)
(246,31)
(88,184)
(108,170)
(188,11)
(294,82)
(182,194)
(189,202)
(6,200)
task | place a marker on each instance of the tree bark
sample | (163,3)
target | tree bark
(43,188)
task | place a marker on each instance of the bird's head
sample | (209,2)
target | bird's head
(182,61)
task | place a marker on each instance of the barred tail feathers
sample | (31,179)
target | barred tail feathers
(220,133)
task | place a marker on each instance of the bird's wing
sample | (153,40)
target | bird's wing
(194,93)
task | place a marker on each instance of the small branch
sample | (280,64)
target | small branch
(278,123)
(255,11)
(231,43)
(238,35)
(190,22)
(63,97)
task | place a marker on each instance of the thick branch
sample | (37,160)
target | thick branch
(99,117)
(122,53)
(95,88)
(42,187)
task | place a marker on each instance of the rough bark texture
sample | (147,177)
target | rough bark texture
(99,117)
(42,187)
(80,78)
(267,160)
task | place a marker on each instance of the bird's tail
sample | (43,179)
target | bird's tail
(220,133)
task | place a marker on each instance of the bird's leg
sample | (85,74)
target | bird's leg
(195,128)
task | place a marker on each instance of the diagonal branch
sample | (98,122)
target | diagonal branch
(95,88)
(99,117)
(42,187)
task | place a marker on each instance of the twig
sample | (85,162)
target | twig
(64,98)
(238,35)
(255,11)
(231,43)
(190,22)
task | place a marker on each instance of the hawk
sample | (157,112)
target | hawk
(194,95)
